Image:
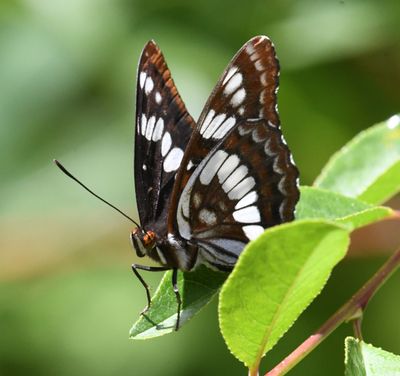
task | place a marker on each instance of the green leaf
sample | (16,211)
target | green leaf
(275,279)
(363,359)
(368,167)
(318,203)
(197,289)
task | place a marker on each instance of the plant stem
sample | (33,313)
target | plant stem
(357,328)
(352,310)
(253,372)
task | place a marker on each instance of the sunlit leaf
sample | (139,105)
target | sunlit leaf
(197,289)
(275,279)
(368,167)
(363,359)
(319,203)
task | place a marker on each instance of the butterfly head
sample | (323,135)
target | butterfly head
(142,241)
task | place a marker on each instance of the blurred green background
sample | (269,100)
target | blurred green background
(67,79)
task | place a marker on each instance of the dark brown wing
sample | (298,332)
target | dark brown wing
(163,129)
(247,183)
(237,176)
(246,90)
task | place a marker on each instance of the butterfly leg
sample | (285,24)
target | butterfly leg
(143,282)
(178,296)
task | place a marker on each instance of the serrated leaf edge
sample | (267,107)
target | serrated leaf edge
(348,145)
(274,229)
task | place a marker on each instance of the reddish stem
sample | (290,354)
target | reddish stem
(352,310)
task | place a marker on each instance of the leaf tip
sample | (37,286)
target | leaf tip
(393,122)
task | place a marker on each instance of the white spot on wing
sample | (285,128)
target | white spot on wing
(166,144)
(158,97)
(253,231)
(244,130)
(207,121)
(255,135)
(224,128)
(251,214)
(142,79)
(275,166)
(255,56)
(247,200)
(183,225)
(216,122)
(238,97)
(233,84)
(149,85)
(250,49)
(150,127)
(227,168)
(242,188)
(229,74)
(143,124)
(197,200)
(208,217)
(263,96)
(235,178)
(212,167)
(272,124)
(173,160)
(282,185)
(267,148)
(189,165)
(264,79)
(259,66)
(184,209)
(158,130)
(144,167)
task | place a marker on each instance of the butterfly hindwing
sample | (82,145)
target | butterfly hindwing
(163,129)
(247,183)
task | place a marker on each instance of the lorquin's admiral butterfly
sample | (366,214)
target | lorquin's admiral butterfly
(206,189)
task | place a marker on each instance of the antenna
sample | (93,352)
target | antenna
(66,172)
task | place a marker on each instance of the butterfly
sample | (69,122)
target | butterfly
(205,189)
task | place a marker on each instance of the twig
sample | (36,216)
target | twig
(352,310)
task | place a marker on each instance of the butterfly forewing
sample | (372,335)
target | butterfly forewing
(237,176)
(163,128)
(246,90)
